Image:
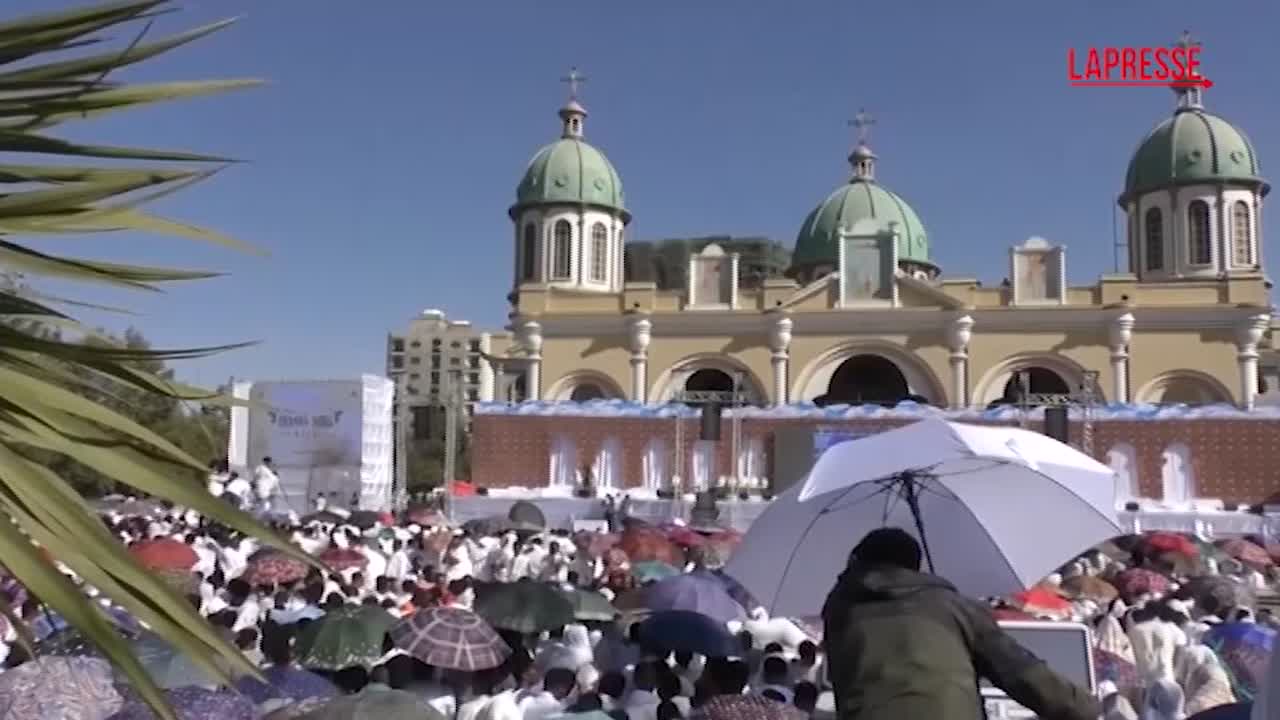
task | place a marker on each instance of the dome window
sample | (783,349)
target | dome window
(1199,251)
(1241,240)
(1153,247)
(562,251)
(529,253)
(599,252)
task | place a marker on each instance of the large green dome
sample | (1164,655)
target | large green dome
(570,170)
(1191,147)
(860,199)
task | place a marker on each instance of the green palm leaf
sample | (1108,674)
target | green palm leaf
(57,68)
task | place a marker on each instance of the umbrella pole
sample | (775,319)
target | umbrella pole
(912,495)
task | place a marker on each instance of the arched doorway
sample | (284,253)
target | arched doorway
(1033,380)
(585,392)
(708,380)
(867,379)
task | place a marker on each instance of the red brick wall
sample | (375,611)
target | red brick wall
(1233,459)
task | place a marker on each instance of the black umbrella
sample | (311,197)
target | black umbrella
(526,516)
(363,519)
(525,606)
(495,525)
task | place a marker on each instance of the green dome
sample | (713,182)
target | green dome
(860,199)
(570,170)
(1192,147)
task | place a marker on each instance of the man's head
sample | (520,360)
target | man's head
(560,682)
(892,547)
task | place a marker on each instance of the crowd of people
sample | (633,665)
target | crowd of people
(1174,625)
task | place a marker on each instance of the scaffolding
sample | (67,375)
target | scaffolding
(1085,397)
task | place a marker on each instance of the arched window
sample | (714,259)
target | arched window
(529,253)
(562,250)
(599,252)
(1199,251)
(1241,238)
(1153,227)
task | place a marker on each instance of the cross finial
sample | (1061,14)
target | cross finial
(862,123)
(574,79)
(1186,41)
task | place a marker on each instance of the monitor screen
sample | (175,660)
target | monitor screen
(1066,648)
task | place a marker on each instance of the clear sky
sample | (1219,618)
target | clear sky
(386,148)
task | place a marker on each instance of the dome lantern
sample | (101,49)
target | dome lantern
(572,114)
(862,158)
(1190,94)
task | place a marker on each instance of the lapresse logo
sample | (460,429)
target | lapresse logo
(1176,66)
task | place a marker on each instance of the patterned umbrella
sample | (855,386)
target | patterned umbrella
(345,637)
(1159,543)
(375,703)
(286,682)
(643,543)
(1248,553)
(699,592)
(340,559)
(425,516)
(1245,649)
(590,606)
(272,567)
(685,537)
(168,666)
(1138,581)
(164,554)
(57,687)
(525,606)
(653,571)
(450,638)
(1089,587)
(683,631)
(1215,593)
(746,707)
(194,703)
(1109,666)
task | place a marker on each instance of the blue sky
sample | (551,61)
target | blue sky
(384,152)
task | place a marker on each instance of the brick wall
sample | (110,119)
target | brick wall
(1233,459)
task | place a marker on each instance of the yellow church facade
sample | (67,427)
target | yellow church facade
(865,316)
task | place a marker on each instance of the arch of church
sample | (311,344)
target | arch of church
(1045,373)
(867,371)
(583,385)
(706,371)
(1189,387)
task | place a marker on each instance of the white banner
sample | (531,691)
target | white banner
(307,424)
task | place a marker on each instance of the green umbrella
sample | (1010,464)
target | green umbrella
(348,636)
(653,571)
(375,703)
(591,606)
(524,606)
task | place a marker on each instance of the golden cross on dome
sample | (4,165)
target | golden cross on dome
(574,79)
(862,123)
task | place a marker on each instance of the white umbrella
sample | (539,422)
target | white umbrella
(1000,508)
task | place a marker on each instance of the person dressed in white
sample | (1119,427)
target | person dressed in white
(239,489)
(265,485)
(217,479)
(399,565)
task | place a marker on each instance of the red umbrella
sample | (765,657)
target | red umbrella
(340,559)
(685,537)
(643,544)
(1040,601)
(164,554)
(425,516)
(1159,543)
(272,567)
(1248,553)
(1137,581)
(595,544)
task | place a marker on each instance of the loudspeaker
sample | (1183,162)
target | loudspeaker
(710,423)
(1056,424)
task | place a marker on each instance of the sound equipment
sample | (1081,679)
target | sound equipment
(1056,424)
(710,429)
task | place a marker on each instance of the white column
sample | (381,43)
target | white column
(531,339)
(1119,333)
(780,357)
(1248,335)
(640,333)
(959,334)
(487,383)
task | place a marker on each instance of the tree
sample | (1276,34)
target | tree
(53,71)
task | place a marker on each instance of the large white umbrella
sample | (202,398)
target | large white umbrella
(997,509)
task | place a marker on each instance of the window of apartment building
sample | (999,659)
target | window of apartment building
(397,362)
(473,395)
(415,376)
(435,343)
(473,363)
(415,344)
(413,390)
(473,378)
(455,362)
(397,344)
(474,345)
(435,378)
(435,362)
(455,344)
(415,360)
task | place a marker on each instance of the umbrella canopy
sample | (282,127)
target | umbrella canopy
(425,516)
(1140,581)
(590,606)
(364,519)
(526,516)
(325,517)
(450,638)
(595,544)
(168,666)
(683,631)
(375,703)
(495,525)
(684,536)
(288,683)
(1255,556)
(1089,587)
(1245,649)
(1215,593)
(340,559)
(1041,601)
(967,492)
(272,567)
(746,707)
(699,592)
(1159,543)
(73,687)
(653,571)
(524,606)
(642,543)
(194,703)
(352,635)
(164,554)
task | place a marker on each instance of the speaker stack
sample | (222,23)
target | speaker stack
(1056,423)
(710,428)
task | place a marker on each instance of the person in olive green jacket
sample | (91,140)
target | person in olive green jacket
(905,645)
